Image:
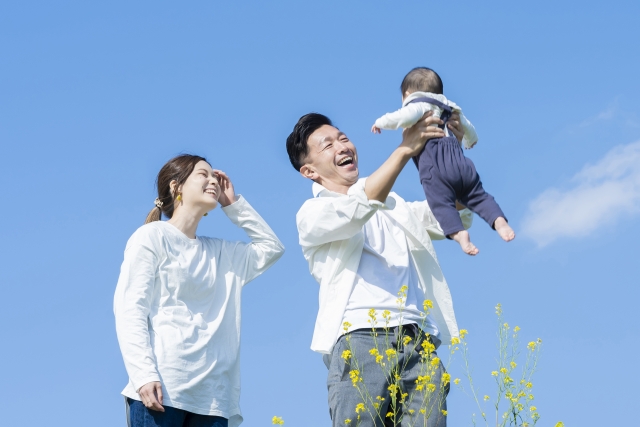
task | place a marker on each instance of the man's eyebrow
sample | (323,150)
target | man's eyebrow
(341,134)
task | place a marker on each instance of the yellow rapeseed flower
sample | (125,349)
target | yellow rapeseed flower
(431,387)
(423,411)
(390,353)
(503,370)
(346,355)
(456,381)
(559,424)
(513,365)
(380,398)
(486,397)
(376,405)
(516,329)
(506,325)
(428,347)
(435,361)
(354,374)
(389,414)
(347,421)
(494,373)
(359,408)
(463,333)
(529,384)
(446,377)
(533,409)
(411,411)
(406,340)
(277,420)
(427,304)
(455,340)
(444,412)
(346,326)
(531,345)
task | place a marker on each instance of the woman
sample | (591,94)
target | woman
(177,302)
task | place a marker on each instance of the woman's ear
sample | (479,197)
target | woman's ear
(308,172)
(173,185)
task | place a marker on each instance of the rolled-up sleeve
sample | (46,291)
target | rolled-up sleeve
(337,217)
(249,260)
(430,223)
(131,308)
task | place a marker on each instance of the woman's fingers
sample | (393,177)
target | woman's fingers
(223,178)
(148,396)
(159,392)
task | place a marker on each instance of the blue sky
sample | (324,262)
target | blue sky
(94,98)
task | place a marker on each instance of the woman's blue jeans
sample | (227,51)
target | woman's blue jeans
(139,416)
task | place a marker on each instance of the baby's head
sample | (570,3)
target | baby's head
(421,79)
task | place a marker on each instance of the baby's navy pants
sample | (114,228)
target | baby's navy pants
(447,175)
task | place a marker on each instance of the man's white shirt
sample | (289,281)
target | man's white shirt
(330,228)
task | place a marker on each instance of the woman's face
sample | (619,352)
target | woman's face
(201,190)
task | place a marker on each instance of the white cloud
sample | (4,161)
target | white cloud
(606,114)
(601,193)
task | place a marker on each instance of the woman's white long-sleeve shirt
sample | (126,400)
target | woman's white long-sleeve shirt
(409,115)
(177,310)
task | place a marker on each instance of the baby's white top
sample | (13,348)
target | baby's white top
(409,115)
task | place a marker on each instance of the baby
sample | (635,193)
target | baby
(446,174)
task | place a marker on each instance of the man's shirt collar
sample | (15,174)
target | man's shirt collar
(320,191)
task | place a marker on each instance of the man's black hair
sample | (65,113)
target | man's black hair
(297,141)
(421,79)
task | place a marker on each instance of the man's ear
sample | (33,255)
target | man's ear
(308,172)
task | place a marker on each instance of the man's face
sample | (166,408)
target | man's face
(332,160)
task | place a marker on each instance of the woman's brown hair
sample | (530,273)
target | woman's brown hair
(179,168)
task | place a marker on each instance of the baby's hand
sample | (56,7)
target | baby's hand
(376,129)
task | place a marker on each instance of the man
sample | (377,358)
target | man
(364,243)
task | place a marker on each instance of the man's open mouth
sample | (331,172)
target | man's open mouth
(346,161)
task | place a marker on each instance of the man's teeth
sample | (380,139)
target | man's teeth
(345,160)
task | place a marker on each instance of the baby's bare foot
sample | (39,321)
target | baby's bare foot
(502,227)
(462,237)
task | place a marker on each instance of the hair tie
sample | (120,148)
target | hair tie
(158,203)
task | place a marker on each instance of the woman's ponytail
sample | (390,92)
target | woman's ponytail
(156,213)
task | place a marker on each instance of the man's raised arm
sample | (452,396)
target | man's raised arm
(380,182)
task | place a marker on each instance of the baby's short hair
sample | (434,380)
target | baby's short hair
(421,79)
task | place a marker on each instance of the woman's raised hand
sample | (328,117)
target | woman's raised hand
(227,193)
(151,396)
